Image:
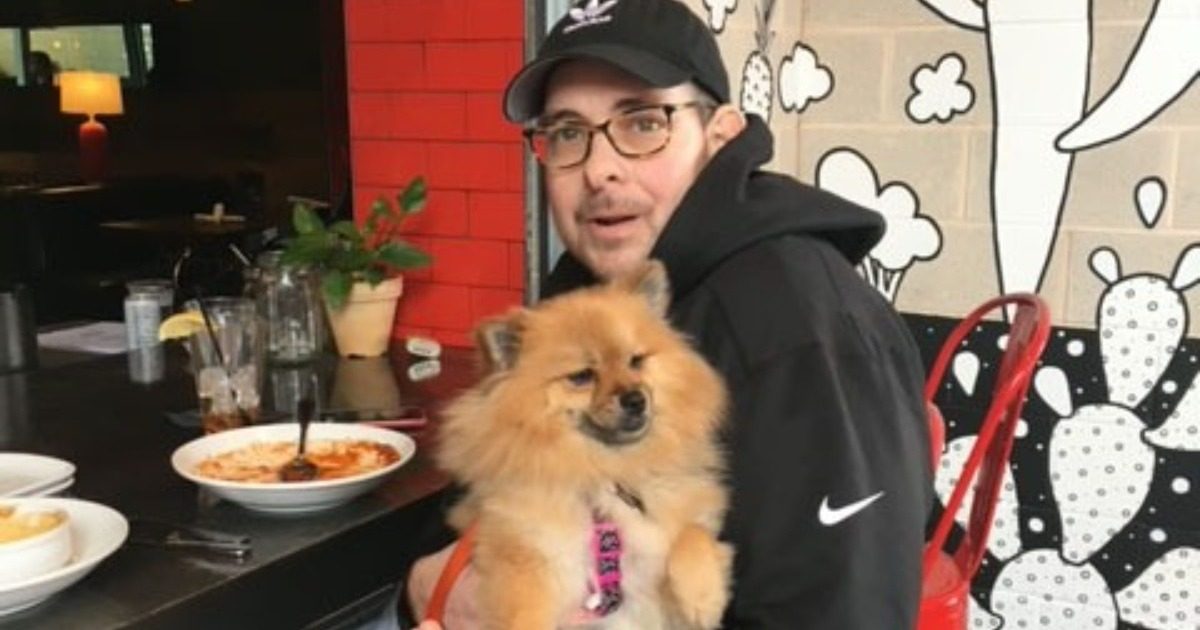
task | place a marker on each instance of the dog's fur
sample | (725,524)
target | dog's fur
(545,444)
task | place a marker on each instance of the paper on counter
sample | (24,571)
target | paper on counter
(97,337)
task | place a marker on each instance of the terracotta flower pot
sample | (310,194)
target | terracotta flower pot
(363,326)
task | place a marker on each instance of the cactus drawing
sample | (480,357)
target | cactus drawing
(758,79)
(1032,598)
(1039,115)
(1142,319)
(1165,63)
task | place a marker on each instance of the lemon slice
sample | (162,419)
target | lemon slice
(181,325)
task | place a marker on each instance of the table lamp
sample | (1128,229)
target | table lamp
(91,93)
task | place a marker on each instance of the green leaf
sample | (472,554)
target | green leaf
(350,259)
(380,208)
(311,249)
(347,230)
(336,286)
(305,220)
(401,255)
(374,276)
(412,200)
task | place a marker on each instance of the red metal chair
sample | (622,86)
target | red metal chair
(946,576)
(937,434)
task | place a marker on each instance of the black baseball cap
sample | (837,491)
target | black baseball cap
(659,41)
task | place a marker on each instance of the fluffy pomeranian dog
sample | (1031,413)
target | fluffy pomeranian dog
(592,471)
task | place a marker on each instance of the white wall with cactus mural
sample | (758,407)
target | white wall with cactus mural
(1025,145)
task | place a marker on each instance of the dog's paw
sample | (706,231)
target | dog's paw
(698,577)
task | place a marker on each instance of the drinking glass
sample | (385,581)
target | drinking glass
(288,299)
(228,375)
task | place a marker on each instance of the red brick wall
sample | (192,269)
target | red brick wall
(425,82)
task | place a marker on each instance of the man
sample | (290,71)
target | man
(627,107)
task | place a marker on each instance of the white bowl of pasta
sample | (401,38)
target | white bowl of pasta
(242,465)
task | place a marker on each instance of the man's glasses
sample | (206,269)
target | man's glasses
(633,133)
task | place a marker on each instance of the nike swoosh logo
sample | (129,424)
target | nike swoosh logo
(832,516)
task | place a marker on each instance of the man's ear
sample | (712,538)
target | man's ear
(650,282)
(726,123)
(499,340)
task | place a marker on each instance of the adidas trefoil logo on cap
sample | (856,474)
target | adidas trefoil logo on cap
(591,13)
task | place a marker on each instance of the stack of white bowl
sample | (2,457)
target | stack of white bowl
(30,475)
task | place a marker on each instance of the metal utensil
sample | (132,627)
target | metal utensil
(300,468)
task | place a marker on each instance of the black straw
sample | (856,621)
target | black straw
(212,336)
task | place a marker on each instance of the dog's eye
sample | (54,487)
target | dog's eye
(582,377)
(636,361)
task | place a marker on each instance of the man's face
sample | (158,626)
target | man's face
(610,210)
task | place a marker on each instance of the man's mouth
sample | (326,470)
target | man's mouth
(610,221)
(613,228)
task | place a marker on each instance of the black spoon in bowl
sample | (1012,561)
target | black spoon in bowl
(301,468)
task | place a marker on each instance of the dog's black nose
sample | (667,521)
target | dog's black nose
(633,401)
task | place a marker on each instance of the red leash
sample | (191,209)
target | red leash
(459,558)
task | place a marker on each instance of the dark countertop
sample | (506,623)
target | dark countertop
(185,228)
(303,568)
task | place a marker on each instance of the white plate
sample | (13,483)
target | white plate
(26,474)
(293,497)
(96,531)
(50,491)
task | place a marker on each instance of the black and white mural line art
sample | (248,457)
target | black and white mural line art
(1039,590)
(718,13)
(1099,518)
(939,91)
(1141,318)
(1039,57)
(1181,430)
(758,77)
(1141,576)
(1165,61)
(910,236)
(1149,197)
(1163,329)
(802,79)
(1097,521)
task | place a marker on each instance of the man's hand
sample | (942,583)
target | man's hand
(460,605)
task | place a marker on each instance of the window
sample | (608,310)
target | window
(31,56)
(10,55)
(98,48)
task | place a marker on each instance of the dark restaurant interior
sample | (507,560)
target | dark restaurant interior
(241,104)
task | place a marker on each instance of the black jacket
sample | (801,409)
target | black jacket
(826,385)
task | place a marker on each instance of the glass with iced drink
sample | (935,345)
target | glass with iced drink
(229,376)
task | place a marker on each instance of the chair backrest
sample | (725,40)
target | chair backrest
(1027,338)
(937,434)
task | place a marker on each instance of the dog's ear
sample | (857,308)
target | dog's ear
(650,282)
(499,340)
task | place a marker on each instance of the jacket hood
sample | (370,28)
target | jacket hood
(732,206)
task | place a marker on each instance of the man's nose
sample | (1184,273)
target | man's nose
(603,163)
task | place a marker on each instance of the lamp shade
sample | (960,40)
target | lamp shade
(90,93)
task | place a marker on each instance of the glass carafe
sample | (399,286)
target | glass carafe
(289,303)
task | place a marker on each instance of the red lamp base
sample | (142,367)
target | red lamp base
(93,151)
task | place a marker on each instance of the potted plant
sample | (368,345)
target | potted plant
(359,267)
